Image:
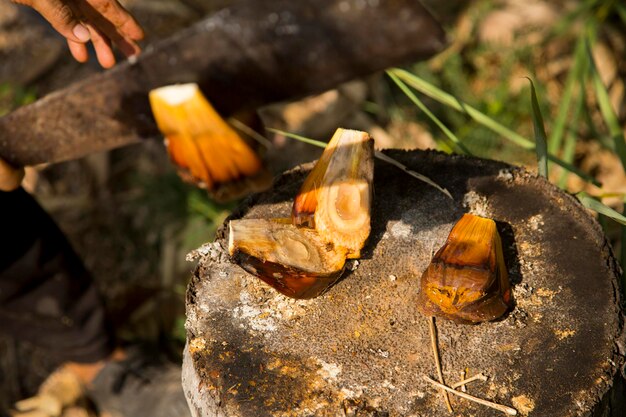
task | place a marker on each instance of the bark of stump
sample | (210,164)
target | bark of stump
(361,348)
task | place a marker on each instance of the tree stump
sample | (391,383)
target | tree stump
(362,348)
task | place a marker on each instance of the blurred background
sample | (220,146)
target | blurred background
(133,220)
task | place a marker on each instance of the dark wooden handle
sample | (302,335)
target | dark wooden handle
(254,53)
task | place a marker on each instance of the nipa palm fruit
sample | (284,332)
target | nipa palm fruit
(296,261)
(330,222)
(467,279)
(206,150)
(335,198)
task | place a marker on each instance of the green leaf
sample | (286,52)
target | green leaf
(565,23)
(608,114)
(456,142)
(481,118)
(238,124)
(569,146)
(597,206)
(587,116)
(573,76)
(458,105)
(541,142)
(313,142)
(621,11)
(377,154)
(412,173)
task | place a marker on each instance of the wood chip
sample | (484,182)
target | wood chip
(505,409)
(433,340)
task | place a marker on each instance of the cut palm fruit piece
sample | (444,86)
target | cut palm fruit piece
(205,148)
(295,261)
(335,199)
(467,279)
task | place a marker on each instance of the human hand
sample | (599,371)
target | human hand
(103,22)
(10,177)
(61,389)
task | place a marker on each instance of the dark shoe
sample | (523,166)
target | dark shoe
(140,386)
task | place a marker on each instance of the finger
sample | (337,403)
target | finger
(107,27)
(78,51)
(10,177)
(102,45)
(121,19)
(62,18)
(41,405)
(128,48)
(27,404)
(33,413)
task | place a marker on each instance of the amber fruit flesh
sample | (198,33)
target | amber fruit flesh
(467,280)
(206,150)
(335,198)
(459,303)
(293,260)
(288,281)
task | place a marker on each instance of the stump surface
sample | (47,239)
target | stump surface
(361,348)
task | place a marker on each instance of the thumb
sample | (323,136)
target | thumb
(61,17)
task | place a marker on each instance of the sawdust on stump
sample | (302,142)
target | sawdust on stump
(362,348)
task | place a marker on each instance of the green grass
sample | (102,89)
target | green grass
(377,154)
(505,133)
(172,201)
(497,123)
(541,140)
(453,143)
(181,218)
